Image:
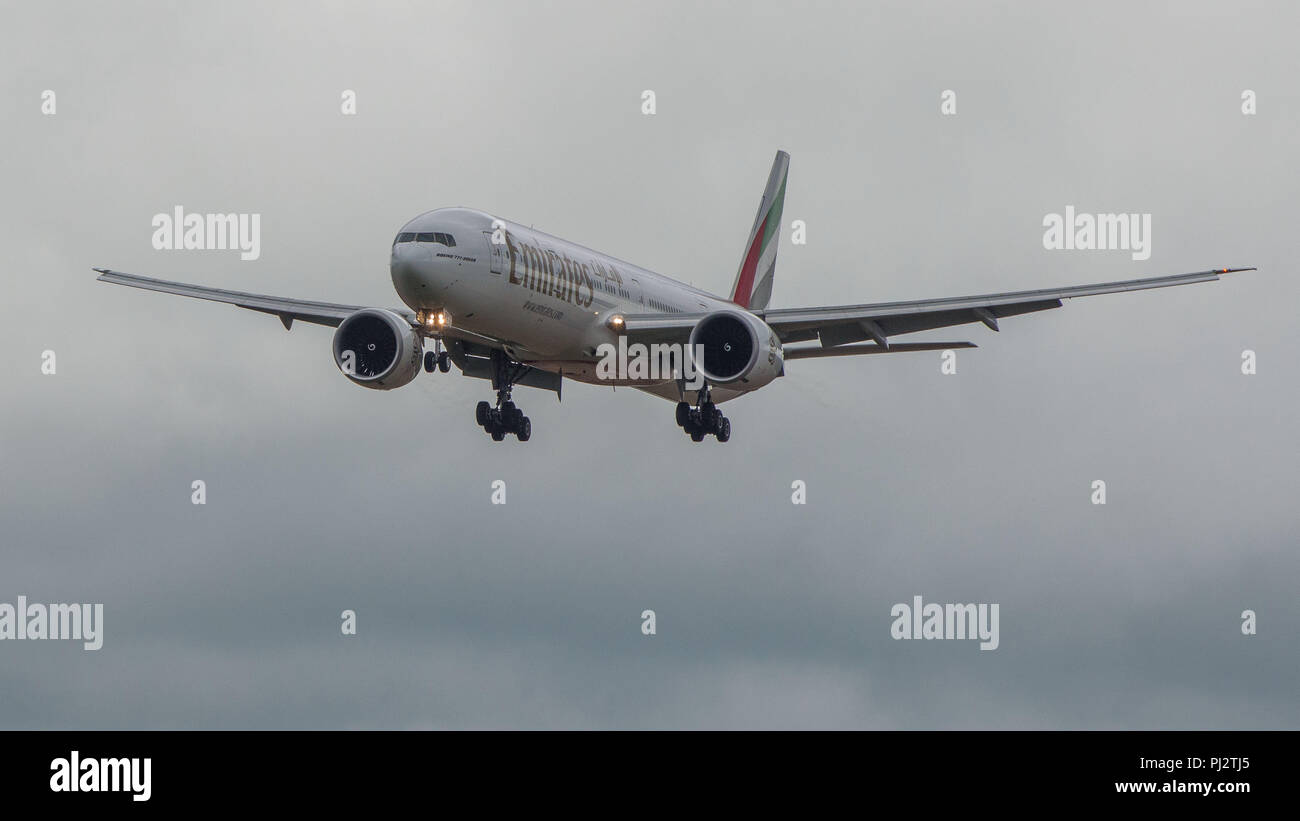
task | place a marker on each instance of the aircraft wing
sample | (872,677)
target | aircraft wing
(318,313)
(469,350)
(842,324)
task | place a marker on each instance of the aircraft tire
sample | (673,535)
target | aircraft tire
(683,414)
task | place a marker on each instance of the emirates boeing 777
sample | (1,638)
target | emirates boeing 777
(520,307)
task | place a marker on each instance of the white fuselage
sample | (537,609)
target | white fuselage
(550,299)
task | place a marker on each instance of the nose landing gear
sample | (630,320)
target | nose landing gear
(437,359)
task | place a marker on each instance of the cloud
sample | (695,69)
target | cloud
(974,487)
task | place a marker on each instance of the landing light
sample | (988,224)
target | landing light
(439,319)
(615,322)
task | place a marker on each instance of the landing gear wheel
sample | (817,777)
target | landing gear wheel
(510,416)
(724,429)
(697,435)
(683,414)
(524,430)
(430,361)
(444,362)
(497,433)
(482,413)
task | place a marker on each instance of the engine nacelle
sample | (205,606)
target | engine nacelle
(740,350)
(377,349)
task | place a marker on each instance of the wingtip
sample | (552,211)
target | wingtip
(1233,270)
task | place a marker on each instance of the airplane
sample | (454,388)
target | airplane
(516,306)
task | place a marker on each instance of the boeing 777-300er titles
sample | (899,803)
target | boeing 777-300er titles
(520,307)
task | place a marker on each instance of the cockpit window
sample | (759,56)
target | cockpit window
(427,236)
(436,236)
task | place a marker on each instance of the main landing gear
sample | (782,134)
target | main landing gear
(505,417)
(701,421)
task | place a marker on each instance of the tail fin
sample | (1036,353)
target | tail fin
(753,286)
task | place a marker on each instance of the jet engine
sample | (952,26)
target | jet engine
(377,349)
(738,349)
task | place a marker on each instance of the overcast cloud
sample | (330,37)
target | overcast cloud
(973,487)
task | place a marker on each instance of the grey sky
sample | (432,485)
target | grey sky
(966,488)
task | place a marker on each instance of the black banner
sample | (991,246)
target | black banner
(329,769)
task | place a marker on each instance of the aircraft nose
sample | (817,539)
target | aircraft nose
(406,259)
(405,252)
(417,276)
(404,267)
